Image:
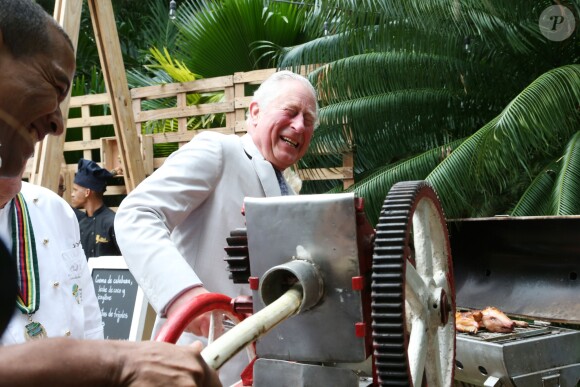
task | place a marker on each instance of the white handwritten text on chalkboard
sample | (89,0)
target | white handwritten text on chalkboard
(116,291)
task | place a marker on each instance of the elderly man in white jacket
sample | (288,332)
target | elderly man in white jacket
(172,228)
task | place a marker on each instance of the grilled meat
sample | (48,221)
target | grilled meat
(490,318)
(468,322)
(521,324)
(494,320)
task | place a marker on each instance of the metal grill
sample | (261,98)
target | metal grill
(527,267)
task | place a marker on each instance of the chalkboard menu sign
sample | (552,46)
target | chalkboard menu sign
(121,300)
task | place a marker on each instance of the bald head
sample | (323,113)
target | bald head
(37,66)
(24,27)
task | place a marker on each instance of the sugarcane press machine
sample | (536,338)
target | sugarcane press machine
(336,302)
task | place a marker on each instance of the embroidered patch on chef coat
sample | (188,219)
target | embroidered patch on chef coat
(75,262)
(77,292)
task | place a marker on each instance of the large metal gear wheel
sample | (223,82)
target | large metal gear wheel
(413,303)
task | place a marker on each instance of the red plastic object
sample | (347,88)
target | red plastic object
(358,283)
(254,283)
(360,329)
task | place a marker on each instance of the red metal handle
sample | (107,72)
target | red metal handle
(174,327)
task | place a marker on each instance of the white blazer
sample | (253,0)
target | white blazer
(172,227)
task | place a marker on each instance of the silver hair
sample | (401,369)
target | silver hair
(269,89)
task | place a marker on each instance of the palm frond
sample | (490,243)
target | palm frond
(566,198)
(391,125)
(379,72)
(454,171)
(509,25)
(376,185)
(538,120)
(216,37)
(536,197)
(399,36)
(176,69)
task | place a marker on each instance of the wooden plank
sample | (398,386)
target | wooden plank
(162,138)
(171,89)
(147,152)
(180,112)
(81,145)
(115,190)
(46,173)
(113,68)
(89,99)
(229,95)
(68,176)
(90,121)
(136,105)
(158,162)
(110,159)
(242,102)
(85,113)
(33,164)
(324,173)
(348,165)
(257,76)
(182,122)
(240,127)
(67,13)
(240,111)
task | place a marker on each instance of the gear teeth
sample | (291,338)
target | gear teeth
(238,259)
(388,281)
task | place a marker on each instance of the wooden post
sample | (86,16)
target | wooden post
(348,169)
(113,68)
(48,154)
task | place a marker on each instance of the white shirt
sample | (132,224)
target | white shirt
(68,304)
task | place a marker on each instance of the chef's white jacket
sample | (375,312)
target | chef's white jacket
(68,304)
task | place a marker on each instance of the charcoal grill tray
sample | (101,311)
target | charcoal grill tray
(517,334)
(537,356)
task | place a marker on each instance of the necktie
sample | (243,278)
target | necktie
(281,182)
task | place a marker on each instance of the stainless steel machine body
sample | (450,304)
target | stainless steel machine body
(321,231)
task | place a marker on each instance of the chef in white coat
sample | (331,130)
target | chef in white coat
(37,65)
(172,228)
(56,297)
(56,293)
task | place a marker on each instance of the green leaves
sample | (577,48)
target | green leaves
(402,79)
(565,199)
(217,37)
(537,122)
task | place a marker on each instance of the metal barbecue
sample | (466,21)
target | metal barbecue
(527,267)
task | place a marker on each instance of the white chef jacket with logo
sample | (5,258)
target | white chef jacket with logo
(68,304)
